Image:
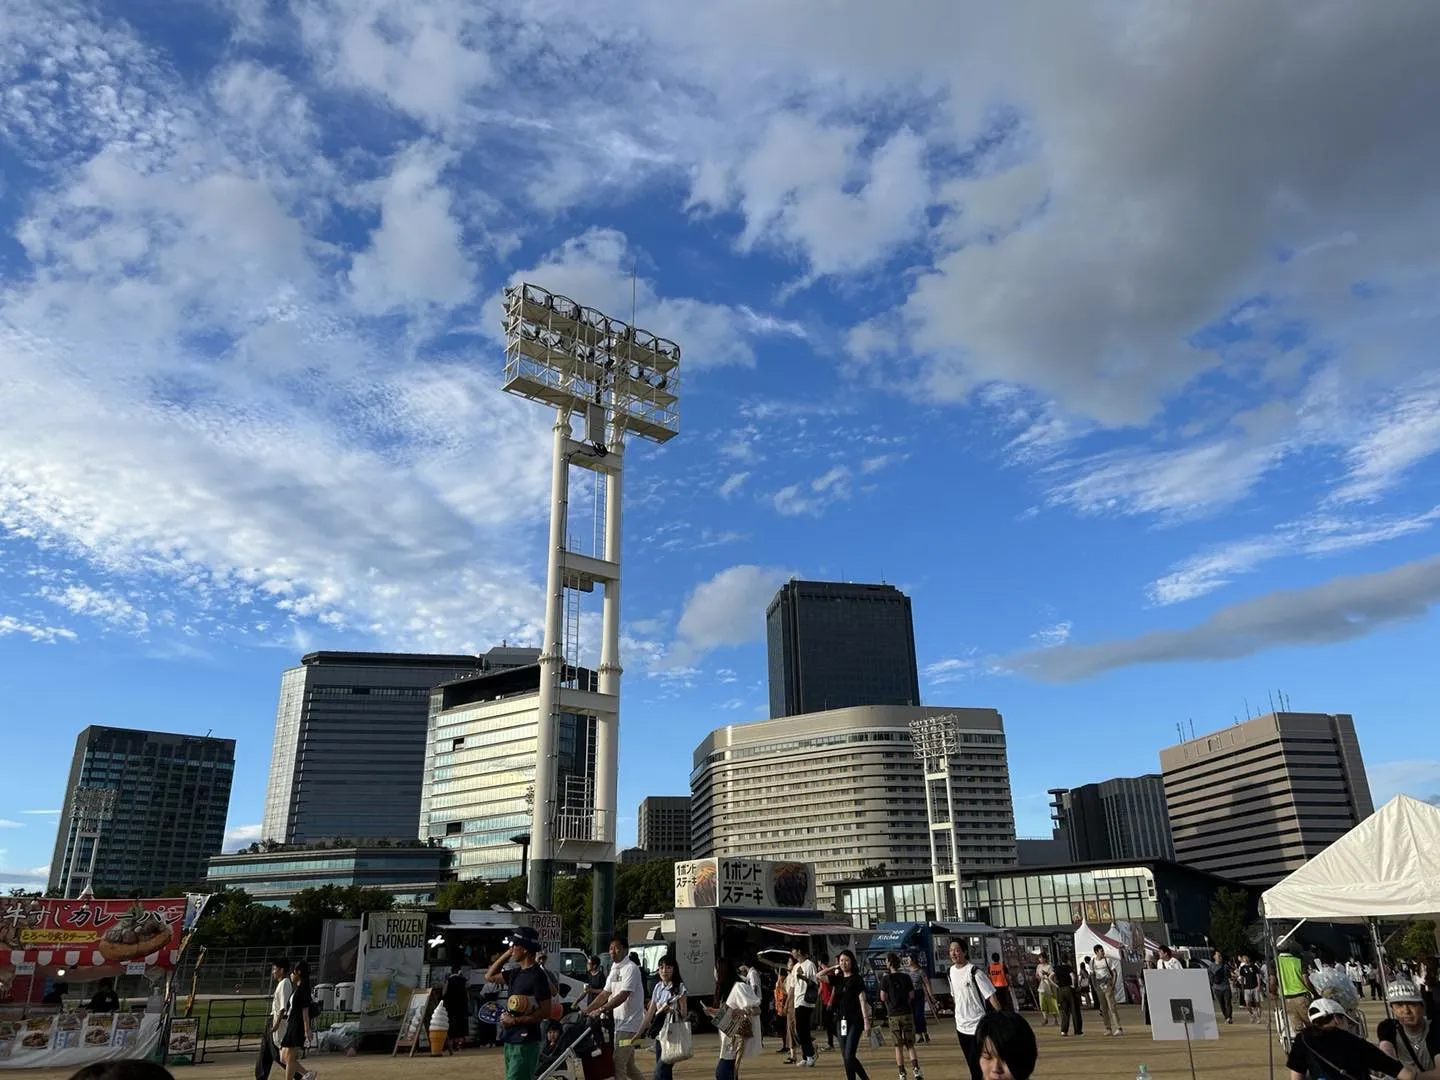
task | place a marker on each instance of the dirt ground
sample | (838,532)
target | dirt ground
(1240,1053)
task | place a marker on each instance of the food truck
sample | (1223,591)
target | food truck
(929,942)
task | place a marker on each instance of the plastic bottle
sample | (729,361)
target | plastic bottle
(1144,1073)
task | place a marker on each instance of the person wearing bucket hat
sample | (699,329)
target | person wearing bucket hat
(1409,1036)
(527,1006)
(1326,1048)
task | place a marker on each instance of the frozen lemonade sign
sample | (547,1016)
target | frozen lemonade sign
(392,963)
(740,882)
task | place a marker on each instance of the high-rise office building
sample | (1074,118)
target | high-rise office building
(663,826)
(165,818)
(844,790)
(834,645)
(1123,818)
(1254,801)
(479,772)
(350,742)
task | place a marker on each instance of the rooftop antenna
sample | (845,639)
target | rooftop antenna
(1247,708)
(1180,730)
(1272,701)
(1192,727)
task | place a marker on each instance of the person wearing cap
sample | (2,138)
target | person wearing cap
(1326,1048)
(529,1003)
(1410,1037)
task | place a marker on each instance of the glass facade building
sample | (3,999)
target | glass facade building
(410,874)
(172,795)
(350,742)
(834,645)
(1123,818)
(479,770)
(662,828)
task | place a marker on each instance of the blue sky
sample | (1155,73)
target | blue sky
(1108,335)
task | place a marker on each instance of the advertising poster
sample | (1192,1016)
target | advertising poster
(127,1029)
(339,950)
(99,1030)
(107,933)
(547,925)
(34,1035)
(739,882)
(392,965)
(184,1039)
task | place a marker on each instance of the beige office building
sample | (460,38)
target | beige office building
(1254,801)
(844,790)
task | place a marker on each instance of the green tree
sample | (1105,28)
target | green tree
(234,921)
(873,873)
(1415,941)
(309,908)
(570,899)
(1229,931)
(478,895)
(644,889)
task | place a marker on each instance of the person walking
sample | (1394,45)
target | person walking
(623,999)
(299,1024)
(1104,974)
(971,991)
(806,978)
(279,1007)
(852,1011)
(922,999)
(1067,999)
(737,995)
(668,1004)
(527,1006)
(1084,985)
(898,993)
(1000,979)
(1221,978)
(1045,987)
(1292,985)
(1356,974)
(1247,977)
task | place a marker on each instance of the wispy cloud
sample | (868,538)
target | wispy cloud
(733,483)
(1047,637)
(830,487)
(6,823)
(950,670)
(47,635)
(240,836)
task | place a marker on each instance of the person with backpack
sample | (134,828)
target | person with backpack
(1104,974)
(972,992)
(1324,1047)
(897,991)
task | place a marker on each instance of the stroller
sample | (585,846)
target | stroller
(586,1039)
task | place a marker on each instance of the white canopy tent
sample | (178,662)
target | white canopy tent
(1387,867)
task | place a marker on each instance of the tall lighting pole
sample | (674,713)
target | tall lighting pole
(937,740)
(620,381)
(90,809)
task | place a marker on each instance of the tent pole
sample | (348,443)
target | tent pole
(1272,973)
(1380,962)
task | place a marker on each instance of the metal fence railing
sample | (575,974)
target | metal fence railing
(236,972)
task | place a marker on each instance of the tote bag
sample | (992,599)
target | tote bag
(675,1041)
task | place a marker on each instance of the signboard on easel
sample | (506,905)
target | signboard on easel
(1181,1008)
(412,1024)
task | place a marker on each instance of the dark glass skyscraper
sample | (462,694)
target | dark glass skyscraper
(834,645)
(1123,818)
(350,742)
(172,794)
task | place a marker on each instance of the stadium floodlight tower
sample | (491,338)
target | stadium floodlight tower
(937,741)
(621,381)
(90,809)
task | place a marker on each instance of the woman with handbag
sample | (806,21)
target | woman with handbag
(667,1011)
(737,1019)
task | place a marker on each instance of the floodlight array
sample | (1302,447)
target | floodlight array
(573,357)
(93,802)
(935,736)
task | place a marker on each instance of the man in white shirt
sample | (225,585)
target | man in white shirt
(806,978)
(1103,976)
(624,999)
(279,1006)
(1169,961)
(971,989)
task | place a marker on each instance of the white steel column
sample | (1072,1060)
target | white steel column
(552,661)
(607,725)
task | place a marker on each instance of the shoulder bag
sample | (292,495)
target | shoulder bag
(675,1045)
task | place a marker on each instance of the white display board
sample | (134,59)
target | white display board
(1178,998)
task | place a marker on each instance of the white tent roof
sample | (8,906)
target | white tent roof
(1388,866)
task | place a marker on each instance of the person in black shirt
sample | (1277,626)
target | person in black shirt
(1220,986)
(1068,999)
(1409,1037)
(457,1007)
(1325,1049)
(104,1000)
(56,994)
(528,1004)
(852,1011)
(1247,975)
(594,981)
(897,990)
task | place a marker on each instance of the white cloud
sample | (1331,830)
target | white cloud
(1405,432)
(240,836)
(733,483)
(97,604)
(1048,637)
(950,670)
(1320,534)
(829,487)
(47,635)
(6,823)
(728,609)
(1338,610)
(879,462)
(415,256)
(33,879)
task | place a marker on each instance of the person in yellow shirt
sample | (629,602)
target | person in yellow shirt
(1293,987)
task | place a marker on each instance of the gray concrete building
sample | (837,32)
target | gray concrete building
(167,799)
(662,827)
(1122,818)
(835,645)
(350,742)
(1254,801)
(844,790)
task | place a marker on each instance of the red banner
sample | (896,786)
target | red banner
(121,931)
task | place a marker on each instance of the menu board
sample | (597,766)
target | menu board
(99,1030)
(127,1029)
(66,1031)
(35,1034)
(184,1038)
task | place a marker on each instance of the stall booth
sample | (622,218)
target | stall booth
(1385,868)
(47,943)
